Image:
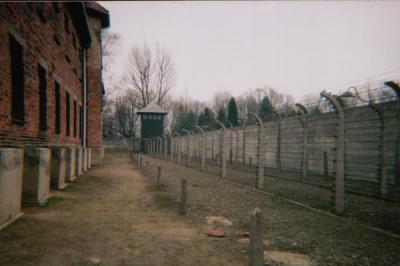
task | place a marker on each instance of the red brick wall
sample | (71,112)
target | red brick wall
(23,19)
(95,95)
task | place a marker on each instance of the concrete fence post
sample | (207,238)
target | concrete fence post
(188,148)
(326,168)
(182,205)
(203,148)
(304,158)
(260,153)
(222,149)
(338,189)
(171,151)
(383,179)
(279,145)
(237,146)
(244,144)
(179,149)
(396,88)
(230,142)
(212,145)
(256,251)
(165,147)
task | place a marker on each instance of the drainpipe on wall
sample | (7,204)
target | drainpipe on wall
(84,100)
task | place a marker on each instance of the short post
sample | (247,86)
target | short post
(140,162)
(158,175)
(182,206)
(256,251)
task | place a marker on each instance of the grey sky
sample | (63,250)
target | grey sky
(295,47)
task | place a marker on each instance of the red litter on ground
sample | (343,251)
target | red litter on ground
(216,233)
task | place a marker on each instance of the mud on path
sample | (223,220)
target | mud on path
(113,215)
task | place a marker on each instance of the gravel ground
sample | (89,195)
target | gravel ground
(326,240)
(368,210)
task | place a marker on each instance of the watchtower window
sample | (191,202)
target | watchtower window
(67,114)
(42,98)
(17,81)
(57,108)
(75,122)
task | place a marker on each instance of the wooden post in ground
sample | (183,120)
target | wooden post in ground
(182,205)
(158,175)
(256,251)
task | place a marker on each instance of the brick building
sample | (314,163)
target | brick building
(51,84)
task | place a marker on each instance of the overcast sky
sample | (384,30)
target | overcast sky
(295,47)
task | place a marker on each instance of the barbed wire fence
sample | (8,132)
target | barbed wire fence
(338,151)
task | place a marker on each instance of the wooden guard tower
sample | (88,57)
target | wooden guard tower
(152,122)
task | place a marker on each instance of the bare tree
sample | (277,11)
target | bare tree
(110,48)
(149,79)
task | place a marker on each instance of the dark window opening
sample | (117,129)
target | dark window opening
(74,40)
(41,11)
(75,122)
(17,82)
(42,98)
(58,107)
(67,115)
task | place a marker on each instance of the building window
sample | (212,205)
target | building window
(67,114)
(42,98)
(17,81)
(75,122)
(57,107)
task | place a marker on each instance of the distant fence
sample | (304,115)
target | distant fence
(349,150)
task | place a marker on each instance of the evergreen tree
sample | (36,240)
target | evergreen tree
(221,115)
(233,112)
(189,121)
(266,109)
(206,119)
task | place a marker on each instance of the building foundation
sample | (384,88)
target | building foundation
(11,175)
(58,165)
(36,181)
(78,161)
(70,160)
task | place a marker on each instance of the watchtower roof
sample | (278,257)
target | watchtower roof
(152,108)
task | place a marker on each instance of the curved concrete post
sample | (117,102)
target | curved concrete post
(230,141)
(260,153)
(188,146)
(244,143)
(222,149)
(179,148)
(165,146)
(160,144)
(304,158)
(212,146)
(339,204)
(203,148)
(383,180)
(395,87)
(172,145)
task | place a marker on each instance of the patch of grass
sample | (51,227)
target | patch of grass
(53,201)
(156,188)
(165,201)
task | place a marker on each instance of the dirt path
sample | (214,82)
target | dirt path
(113,216)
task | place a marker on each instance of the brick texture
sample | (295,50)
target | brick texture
(51,39)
